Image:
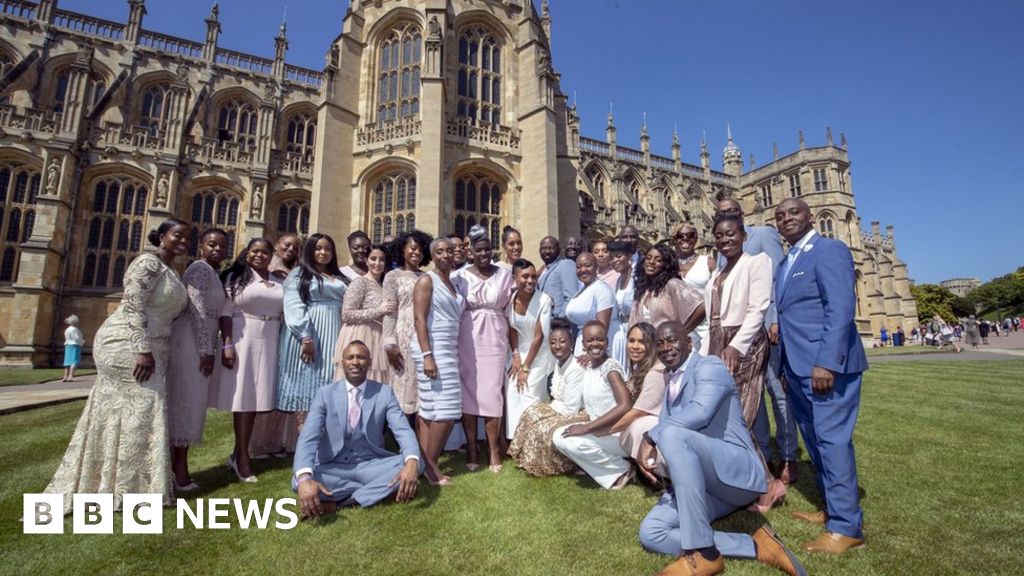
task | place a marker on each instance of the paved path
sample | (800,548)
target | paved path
(1008,347)
(18,398)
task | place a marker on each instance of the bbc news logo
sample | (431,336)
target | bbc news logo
(144,514)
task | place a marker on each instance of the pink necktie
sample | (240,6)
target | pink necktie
(354,409)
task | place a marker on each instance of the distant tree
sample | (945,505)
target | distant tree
(933,299)
(1005,293)
(962,307)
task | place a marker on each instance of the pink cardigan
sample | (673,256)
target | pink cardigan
(746,294)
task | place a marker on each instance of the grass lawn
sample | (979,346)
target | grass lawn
(19,376)
(940,445)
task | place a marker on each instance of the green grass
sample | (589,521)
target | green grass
(939,447)
(19,376)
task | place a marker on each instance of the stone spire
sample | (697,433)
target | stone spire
(828,135)
(609,132)
(645,138)
(281,46)
(212,33)
(677,151)
(136,10)
(545,19)
(842,140)
(732,156)
(775,151)
(803,144)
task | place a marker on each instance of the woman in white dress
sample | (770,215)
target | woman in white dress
(120,445)
(694,268)
(619,258)
(437,312)
(358,250)
(594,301)
(193,351)
(591,445)
(529,318)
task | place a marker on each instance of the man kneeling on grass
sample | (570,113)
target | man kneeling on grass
(340,459)
(713,463)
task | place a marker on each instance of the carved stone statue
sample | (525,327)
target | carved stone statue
(257,202)
(434,28)
(52,176)
(162,191)
(543,62)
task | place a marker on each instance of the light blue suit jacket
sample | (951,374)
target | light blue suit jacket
(816,310)
(323,435)
(709,404)
(559,281)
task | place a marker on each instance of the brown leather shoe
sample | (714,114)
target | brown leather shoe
(694,564)
(818,517)
(771,551)
(789,472)
(832,543)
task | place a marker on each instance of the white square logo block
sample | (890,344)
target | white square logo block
(142,514)
(42,514)
(93,513)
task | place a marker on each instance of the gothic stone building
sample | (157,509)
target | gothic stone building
(436,114)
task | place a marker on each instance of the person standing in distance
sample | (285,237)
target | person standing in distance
(822,359)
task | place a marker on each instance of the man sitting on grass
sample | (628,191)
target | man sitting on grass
(714,466)
(340,459)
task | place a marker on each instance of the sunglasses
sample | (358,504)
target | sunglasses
(686,236)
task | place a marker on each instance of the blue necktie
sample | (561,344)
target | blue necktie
(790,259)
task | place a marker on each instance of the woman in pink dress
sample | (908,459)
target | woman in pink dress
(362,315)
(250,322)
(483,345)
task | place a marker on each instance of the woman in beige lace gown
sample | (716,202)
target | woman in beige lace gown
(120,445)
(362,315)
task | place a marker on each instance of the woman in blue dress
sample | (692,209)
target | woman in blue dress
(313,294)
(437,310)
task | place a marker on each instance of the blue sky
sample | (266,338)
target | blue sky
(929,94)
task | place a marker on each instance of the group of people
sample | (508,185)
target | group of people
(606,360)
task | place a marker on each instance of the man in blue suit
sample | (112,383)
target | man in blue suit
(340,459)
(714,466)
(822,359)
(765,240)
(558,279)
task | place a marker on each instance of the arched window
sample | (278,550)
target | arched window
(638,192)
(6,63)
(116,216)
(214,207)
(293,216)
(301,137)
(19,187)
(95,88)
(827,225)
(236,122)
(478,201)
(398,74)
(597,179)
(155,107)
(479,78)
(394,205)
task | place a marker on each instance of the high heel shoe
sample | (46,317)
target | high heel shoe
(190,487)
(251,479)
(775,496)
